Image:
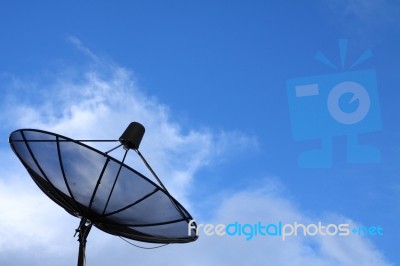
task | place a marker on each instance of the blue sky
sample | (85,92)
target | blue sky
(208,80)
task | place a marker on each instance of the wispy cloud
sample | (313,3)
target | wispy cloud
(81,47)
(100,101)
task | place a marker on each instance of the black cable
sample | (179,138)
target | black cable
(130,243)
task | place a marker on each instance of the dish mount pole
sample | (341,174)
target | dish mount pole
(83,232)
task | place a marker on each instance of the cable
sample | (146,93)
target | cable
(130,243)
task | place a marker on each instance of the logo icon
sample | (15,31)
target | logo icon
(345,103)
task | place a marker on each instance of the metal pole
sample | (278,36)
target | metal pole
(83,230)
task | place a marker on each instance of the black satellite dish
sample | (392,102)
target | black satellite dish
(101,190)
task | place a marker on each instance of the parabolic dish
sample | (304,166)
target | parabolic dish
(85,182)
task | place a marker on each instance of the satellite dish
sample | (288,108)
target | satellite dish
(100,190)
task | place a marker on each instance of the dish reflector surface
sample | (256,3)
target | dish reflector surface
(86,183)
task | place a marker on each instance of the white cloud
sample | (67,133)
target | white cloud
(99,102)
(31,226)
(269,206)
(266,205)
(46,238)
